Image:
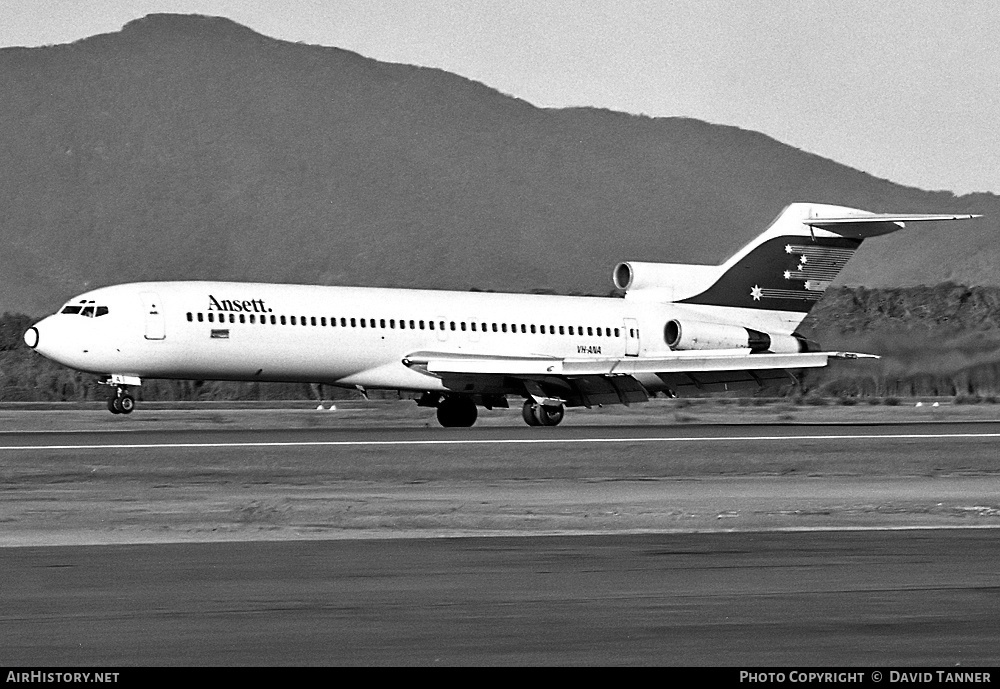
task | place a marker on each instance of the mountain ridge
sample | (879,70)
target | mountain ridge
(190,147)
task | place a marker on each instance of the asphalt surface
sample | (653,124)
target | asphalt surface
(855,599)
(856,545)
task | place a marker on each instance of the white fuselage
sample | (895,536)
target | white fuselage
(349,336)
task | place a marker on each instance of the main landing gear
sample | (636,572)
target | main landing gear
(536,414)
(457,411)
(460,411)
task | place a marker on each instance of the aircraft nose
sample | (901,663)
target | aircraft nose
(31,337)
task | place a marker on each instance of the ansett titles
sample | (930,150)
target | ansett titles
(237,305)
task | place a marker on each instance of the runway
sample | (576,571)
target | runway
(243,483)
(246,540)
(859,599)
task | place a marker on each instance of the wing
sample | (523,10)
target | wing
(590,381)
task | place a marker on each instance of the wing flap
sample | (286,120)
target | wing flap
(678,362)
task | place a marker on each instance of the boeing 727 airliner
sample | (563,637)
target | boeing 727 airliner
(679,327)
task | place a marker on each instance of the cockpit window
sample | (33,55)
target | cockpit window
(87,311)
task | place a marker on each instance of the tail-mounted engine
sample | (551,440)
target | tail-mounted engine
(663,281)
(697,335)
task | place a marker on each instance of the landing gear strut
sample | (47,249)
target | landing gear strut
(535,414)
(457,411)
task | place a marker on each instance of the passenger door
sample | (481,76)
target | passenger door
(155,326)
(631,337)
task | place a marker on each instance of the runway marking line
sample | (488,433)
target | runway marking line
(505,441)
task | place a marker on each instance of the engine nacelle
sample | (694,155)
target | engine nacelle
(676,280)
(698,335)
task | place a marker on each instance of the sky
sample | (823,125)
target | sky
(906,90)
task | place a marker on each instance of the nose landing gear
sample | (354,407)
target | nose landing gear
(120,401)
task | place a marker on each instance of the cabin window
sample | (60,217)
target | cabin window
(598,332)
(343,322)
(211,318)
(532,329)
(303,321)
(243,319)
(381,323)
(494,327)
(503,327)
(402,324)
(364,323)
(190,317)
(253,318)
(562,330)
(412,328)
(463,326)
(312,320)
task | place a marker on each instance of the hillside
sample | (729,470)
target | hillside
(940,340)
(187,147)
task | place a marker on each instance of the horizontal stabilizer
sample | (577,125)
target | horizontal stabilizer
(874,224)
